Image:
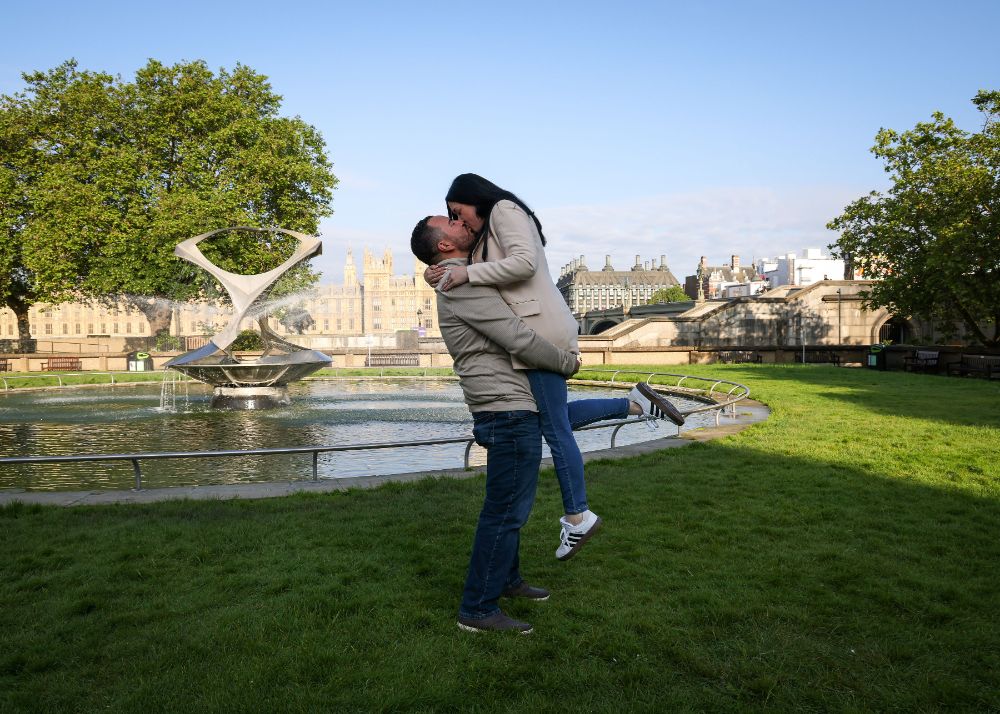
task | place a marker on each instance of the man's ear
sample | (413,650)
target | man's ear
(445,245)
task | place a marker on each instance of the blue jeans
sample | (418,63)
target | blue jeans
(559,418)
(513,445)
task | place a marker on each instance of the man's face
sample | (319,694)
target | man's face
(455,231)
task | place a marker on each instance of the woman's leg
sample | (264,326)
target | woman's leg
(587,411)
(549,390)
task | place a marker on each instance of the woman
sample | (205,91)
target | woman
(507,252)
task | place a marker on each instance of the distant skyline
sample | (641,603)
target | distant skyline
(649,128)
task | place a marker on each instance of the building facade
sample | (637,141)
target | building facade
(585,290)
(714,281)
(372,306)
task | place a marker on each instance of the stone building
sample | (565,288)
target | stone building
(716,279)
(365,309)
(585,290)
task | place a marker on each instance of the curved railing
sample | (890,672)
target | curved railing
(713,401)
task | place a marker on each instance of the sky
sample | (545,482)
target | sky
(631,128)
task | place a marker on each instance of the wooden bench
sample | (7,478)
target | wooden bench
(397,360)
(987,366)
(57,364)
(739,357)
(5,365)
(922,361)
(819,358)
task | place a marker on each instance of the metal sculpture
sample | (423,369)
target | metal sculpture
(261,382)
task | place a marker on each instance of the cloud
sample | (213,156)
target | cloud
(752,222)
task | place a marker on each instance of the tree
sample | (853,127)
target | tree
(114,174)
(675,293)
(932,242)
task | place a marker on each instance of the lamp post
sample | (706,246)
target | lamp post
(420,315)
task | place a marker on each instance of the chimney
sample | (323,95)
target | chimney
(645,265)
(663,261)
(652,264)
(583,264)
(638,264)
(608,268)
(735,263)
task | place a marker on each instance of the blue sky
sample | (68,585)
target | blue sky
(684,129)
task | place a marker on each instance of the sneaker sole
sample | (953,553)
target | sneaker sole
(671,411)
(586,536)
(469,628)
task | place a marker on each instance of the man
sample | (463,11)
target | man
(482,333)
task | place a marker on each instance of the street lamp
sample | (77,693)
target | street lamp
(420,314)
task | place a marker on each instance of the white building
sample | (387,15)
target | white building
(811,267)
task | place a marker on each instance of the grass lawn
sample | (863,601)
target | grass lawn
(843,555)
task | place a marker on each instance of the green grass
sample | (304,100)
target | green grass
(25,380)
(842,556)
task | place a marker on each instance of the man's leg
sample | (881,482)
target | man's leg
(514,450)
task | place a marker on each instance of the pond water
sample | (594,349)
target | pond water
(129,419)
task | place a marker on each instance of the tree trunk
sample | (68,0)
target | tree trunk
(158,313)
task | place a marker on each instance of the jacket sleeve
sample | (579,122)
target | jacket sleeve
(516,233)
(482,308)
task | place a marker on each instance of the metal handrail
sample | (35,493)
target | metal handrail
(315,451)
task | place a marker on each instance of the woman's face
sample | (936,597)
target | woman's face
(467,214)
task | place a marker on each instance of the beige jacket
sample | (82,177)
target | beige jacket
(516,266)
(482,335)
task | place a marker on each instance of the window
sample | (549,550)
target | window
(326,325)
(65,329)
(78,328)
(128,328)
(48,328)
(115,326)
(104,328)
(90,328)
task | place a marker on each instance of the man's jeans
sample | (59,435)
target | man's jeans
(559,418)
(513,441)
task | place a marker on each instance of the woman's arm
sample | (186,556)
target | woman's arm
(515,230)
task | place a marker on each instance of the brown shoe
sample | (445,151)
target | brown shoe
(527,592)
(494,623)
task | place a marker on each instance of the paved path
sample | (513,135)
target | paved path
(747,412)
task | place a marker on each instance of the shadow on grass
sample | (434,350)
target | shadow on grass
(946,399)
(726,578)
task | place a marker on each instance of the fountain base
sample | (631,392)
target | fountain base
(248,398)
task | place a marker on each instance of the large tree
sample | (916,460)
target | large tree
(675,293)
(109,176)
(932,242)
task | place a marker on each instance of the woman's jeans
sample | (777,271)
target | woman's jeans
(559,418)
(513,451)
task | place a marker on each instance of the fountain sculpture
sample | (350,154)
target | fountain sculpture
(262,382)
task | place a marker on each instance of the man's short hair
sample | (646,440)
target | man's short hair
(424,242)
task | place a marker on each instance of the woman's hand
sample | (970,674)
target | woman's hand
(433,274)
(456,275)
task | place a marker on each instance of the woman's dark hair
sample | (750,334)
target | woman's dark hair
(483,195)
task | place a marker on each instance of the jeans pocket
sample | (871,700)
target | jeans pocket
(483,428)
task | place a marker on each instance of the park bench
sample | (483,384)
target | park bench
(396,360)
(819,358)
(4,364)
(922,361)
(739,357)
(56,364)
(987,366)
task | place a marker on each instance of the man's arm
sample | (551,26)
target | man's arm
(482,308)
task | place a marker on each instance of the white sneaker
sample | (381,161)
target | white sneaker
(572,538)
(654,405)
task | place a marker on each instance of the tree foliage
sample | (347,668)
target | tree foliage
(675,293)
(932,242)
(101,178)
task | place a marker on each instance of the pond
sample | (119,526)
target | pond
(130,419)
